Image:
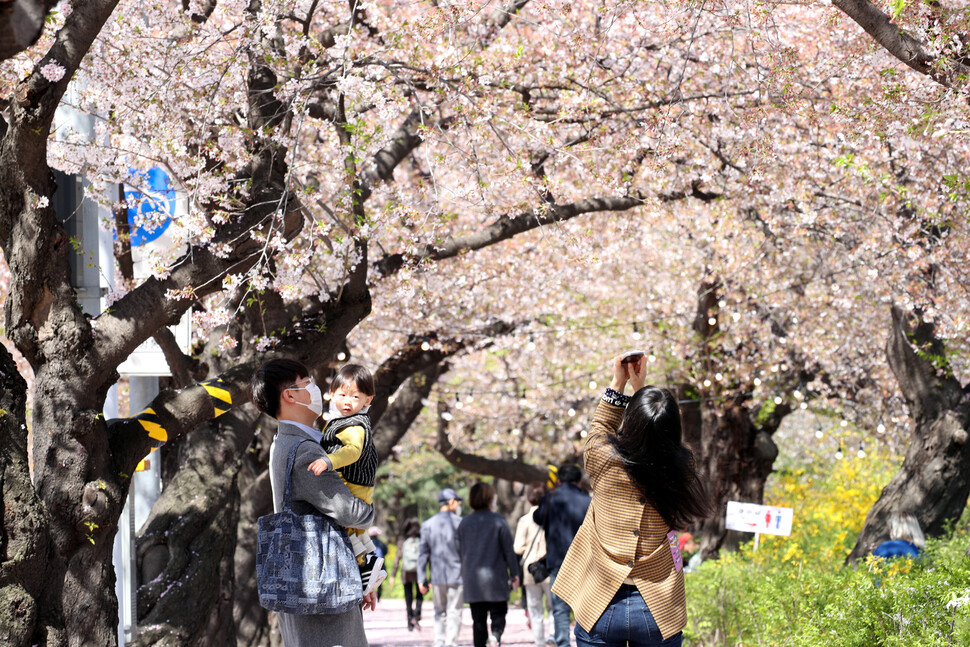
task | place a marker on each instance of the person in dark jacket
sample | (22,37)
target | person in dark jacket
(561,513)
(489,566)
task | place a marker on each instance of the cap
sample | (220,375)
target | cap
(447,495)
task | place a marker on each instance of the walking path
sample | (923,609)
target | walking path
(387,627)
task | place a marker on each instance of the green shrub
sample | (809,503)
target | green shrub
(796,592)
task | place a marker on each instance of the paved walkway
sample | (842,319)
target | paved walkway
(387,626)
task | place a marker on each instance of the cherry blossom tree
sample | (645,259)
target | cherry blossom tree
(415,184)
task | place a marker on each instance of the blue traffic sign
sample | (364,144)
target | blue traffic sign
(161,198)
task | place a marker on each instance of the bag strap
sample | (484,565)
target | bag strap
(542,528)
(288,482)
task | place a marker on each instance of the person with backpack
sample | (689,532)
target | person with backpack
(407,561)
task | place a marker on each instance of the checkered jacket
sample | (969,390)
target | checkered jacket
(623,536)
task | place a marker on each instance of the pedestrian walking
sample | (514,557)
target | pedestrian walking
(407,561)
(530,544)
(561,513)
(489,568)
(438,550)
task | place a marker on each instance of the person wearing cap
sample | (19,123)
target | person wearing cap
(439,551)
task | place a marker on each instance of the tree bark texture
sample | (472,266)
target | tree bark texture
(934,480)
(187,547)
(25,542)
(737,459)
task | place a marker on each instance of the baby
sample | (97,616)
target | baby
(349,444)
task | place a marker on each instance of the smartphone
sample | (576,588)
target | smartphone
(633,356)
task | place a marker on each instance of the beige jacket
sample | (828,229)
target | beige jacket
(527,530)
(622,537)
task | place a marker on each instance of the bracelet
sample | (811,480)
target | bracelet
(615,398)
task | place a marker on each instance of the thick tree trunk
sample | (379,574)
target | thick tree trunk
(25,617)
(188,545)
(934,480)
(737,459)
(252,621)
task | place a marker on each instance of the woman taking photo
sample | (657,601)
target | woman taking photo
(489,568)
(622,576)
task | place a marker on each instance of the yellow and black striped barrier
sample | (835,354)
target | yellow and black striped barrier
(219,392)
(552,478)
(148,419)
(221,403)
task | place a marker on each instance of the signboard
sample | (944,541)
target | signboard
(149,217)
(760,519)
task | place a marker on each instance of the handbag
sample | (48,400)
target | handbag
(538,569)
(304,564)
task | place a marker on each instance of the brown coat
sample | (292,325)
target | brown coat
(622,536)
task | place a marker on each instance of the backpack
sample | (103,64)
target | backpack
(409,554)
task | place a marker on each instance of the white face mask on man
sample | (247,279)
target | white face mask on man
(316,396)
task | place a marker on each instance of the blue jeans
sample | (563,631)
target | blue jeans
(560,614)
(626,621)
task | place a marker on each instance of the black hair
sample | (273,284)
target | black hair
(412,527)
(480,495)
(534,492)
(569,473)
(649,444)
(356,375)
(271,379)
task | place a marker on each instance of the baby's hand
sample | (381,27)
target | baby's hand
(318,466)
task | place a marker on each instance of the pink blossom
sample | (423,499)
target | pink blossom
(53,71)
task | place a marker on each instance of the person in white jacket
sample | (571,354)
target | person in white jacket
(530,544)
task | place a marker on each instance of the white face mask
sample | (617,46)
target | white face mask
(316,396)
(458,510)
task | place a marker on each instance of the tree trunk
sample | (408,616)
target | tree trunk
(737,459)
(25,540)
(934,480)
(21,23)
(252,621)
(188,545)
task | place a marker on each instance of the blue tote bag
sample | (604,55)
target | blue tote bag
(304,564)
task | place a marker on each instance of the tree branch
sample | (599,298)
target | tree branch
(504,228)
(918,359)
(897,42)
(504,469)
(185,370)
(397,418)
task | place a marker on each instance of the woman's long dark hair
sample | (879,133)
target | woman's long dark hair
(649,443)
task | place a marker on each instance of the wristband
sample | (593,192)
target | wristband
(615,398)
